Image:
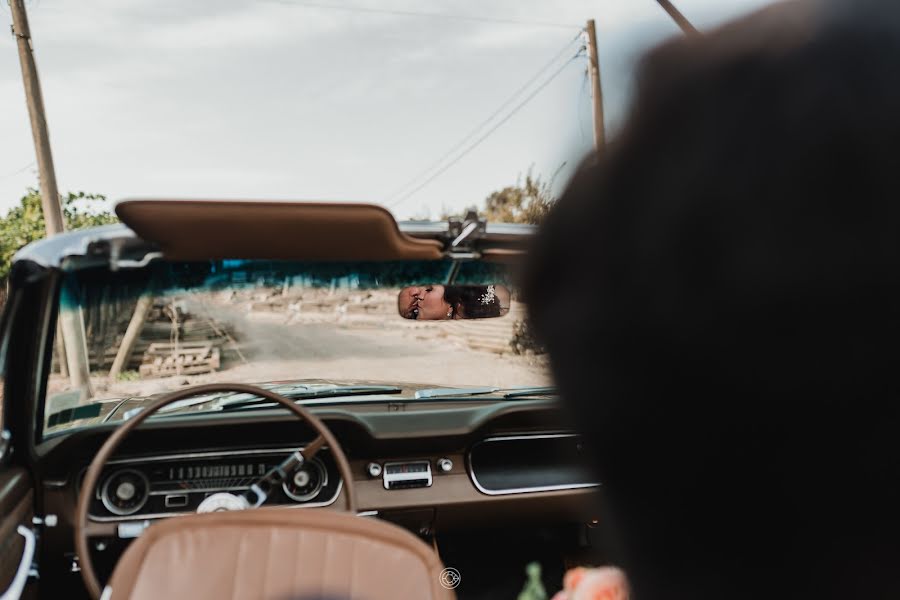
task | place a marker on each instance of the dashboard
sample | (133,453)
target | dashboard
(172,484)
(431,467)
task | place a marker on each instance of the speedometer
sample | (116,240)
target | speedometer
(306,482)
(125,492)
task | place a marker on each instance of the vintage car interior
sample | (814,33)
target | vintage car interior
(236,479)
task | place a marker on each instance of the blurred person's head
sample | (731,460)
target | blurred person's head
(732,347)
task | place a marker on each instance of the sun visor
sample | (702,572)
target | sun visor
(321,231)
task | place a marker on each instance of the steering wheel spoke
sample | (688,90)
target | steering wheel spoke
(261,489)
(312,448)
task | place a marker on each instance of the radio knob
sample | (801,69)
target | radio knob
(374,469)
(444,465)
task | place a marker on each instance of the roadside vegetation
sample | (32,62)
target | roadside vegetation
(24,223)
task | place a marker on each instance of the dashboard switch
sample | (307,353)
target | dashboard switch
(444,465)
(374,469)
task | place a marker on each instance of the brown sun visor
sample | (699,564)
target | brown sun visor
(321,231)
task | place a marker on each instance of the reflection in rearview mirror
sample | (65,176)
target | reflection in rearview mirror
(445,302)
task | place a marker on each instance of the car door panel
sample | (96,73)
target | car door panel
(16,508)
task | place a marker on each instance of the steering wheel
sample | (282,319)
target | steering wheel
(254,498)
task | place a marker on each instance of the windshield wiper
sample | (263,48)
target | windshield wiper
(220,400)
(332,392)
(533,391)
(508,393)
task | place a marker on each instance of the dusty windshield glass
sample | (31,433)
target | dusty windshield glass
(277,323)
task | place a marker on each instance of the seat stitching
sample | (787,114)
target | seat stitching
(238,562)
(353,566)
(325,569)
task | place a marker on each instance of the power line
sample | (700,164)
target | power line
(16,172)
(437,163)
(487,134)
(410,13)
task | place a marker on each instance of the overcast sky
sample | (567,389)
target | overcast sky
(300,100)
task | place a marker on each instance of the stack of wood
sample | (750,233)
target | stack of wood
(186,358)
(185,345)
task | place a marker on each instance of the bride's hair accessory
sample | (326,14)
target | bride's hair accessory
(488,297)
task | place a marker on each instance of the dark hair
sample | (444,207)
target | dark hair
(473,301)
(733,351)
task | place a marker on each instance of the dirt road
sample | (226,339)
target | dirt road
(377,350)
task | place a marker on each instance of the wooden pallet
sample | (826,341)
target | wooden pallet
(186,358)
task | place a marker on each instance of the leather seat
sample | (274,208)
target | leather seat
(277,554)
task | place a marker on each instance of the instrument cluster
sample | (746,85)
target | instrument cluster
(159,486)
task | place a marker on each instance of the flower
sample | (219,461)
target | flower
(603,583)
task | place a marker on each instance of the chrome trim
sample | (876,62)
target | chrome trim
(234,488)
(116,263)
(128,531)
(450,392)
(170,498)
(322,504)
(544,488)
(388,478)
(261,496)
(17,586)
(207,454)
(5,443)
(118,405)
(104,493)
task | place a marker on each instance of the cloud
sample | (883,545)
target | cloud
(276,99)
(253,24)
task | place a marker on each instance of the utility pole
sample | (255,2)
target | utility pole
(34,98)
(596,90)
(686,26)
(71,323)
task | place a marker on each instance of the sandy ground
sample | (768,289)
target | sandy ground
(378,350)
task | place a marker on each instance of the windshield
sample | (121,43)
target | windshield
(300,327)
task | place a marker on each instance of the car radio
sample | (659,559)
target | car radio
(404,475)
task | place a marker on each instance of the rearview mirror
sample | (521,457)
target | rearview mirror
(439,302)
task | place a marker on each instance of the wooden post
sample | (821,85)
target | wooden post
(35,100)
(71,321)
(596,90)
(144,303)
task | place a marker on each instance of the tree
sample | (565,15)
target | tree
(25,223)
(525,202)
